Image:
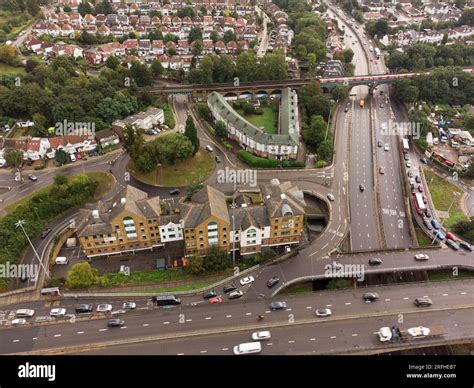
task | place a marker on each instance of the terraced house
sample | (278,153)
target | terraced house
(281,146)
(270,216)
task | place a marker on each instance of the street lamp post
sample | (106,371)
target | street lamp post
(19,224)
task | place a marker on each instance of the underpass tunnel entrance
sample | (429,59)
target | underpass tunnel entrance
(317,214)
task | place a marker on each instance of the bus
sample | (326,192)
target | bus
(361,103)
(166,300)
(419,203)
(377,52)
(406,146)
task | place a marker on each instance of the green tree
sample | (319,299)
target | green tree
(221,129)
(339,93)
(81,275)
(141,74)
(112,62)
(104,7)
(156,68)
(196,265)
(273,67)
(217,260)
(246,65)
(195,34)
(132,139)
(13,157)
(60,179)
(39,128)
(206,69)
(326,150)
(191,133)
(314,134)
(84,8)
(32,7)
(61,157)
(9,55)
(348,55)
(172,148)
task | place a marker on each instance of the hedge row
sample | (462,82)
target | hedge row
(255,161)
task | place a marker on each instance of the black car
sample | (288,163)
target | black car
(424,161)
(115,322)
(346,109)
(209,294)
(361,187)
(229,288)
(465,246)
(271,282)
(379,143)
(452,244)
(427,213)
(84,308)
(45,232)
(375,261)
(174,192)
(370,296)
(218,160)
(418,179)
(277,306)
(422,302)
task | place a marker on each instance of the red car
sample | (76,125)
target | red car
(420,188)
(217,299)
(451,236)
(419,212)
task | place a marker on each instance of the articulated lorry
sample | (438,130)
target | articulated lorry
(394,334)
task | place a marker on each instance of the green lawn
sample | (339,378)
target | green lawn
(184,173)
(11,69)
(442,196)
(448,275)
(268,119)
(423,239)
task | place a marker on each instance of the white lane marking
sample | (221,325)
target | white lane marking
(444,294)
(308,307)
(291,342)
(123,327)
(180,354)
(224,349)
(228,316)
(348,303)
(146,324)
(332,337)
(354,335)
(387,300)
(269,344)
(207,318)
(312,339)
(57,335)
(17,340)
(80,332)
(35,338)
(267,312)
(203,351)
(406,298)
(248,314)
(463,293)
(166,323)
(189,320)
(376,332)
(102,329)
(329,305)
(288,309)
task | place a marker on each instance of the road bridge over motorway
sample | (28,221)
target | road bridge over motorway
(240,89)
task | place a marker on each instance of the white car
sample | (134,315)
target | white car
(261,335)
(386,147)
(323,312)
(129,306)
(408,164)
(421,257)
(383,126)
(58,312)
(330,197)
(419,331)
(104,308)
(209,148)
(73,157)
(247,280)
(19,321)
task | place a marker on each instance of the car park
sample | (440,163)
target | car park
(272,281)
(261,335)
(115,322)
(423,302)
(129,306)
(452,244)
(236,294)
(323,312)
(209,294)
(277,306)
(104,308)
(421,257)
(370,296)
(464,245)
(57,312)
(229,288)
(247,280)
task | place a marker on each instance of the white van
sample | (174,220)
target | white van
(24,313)
(247,348)
(62,260)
